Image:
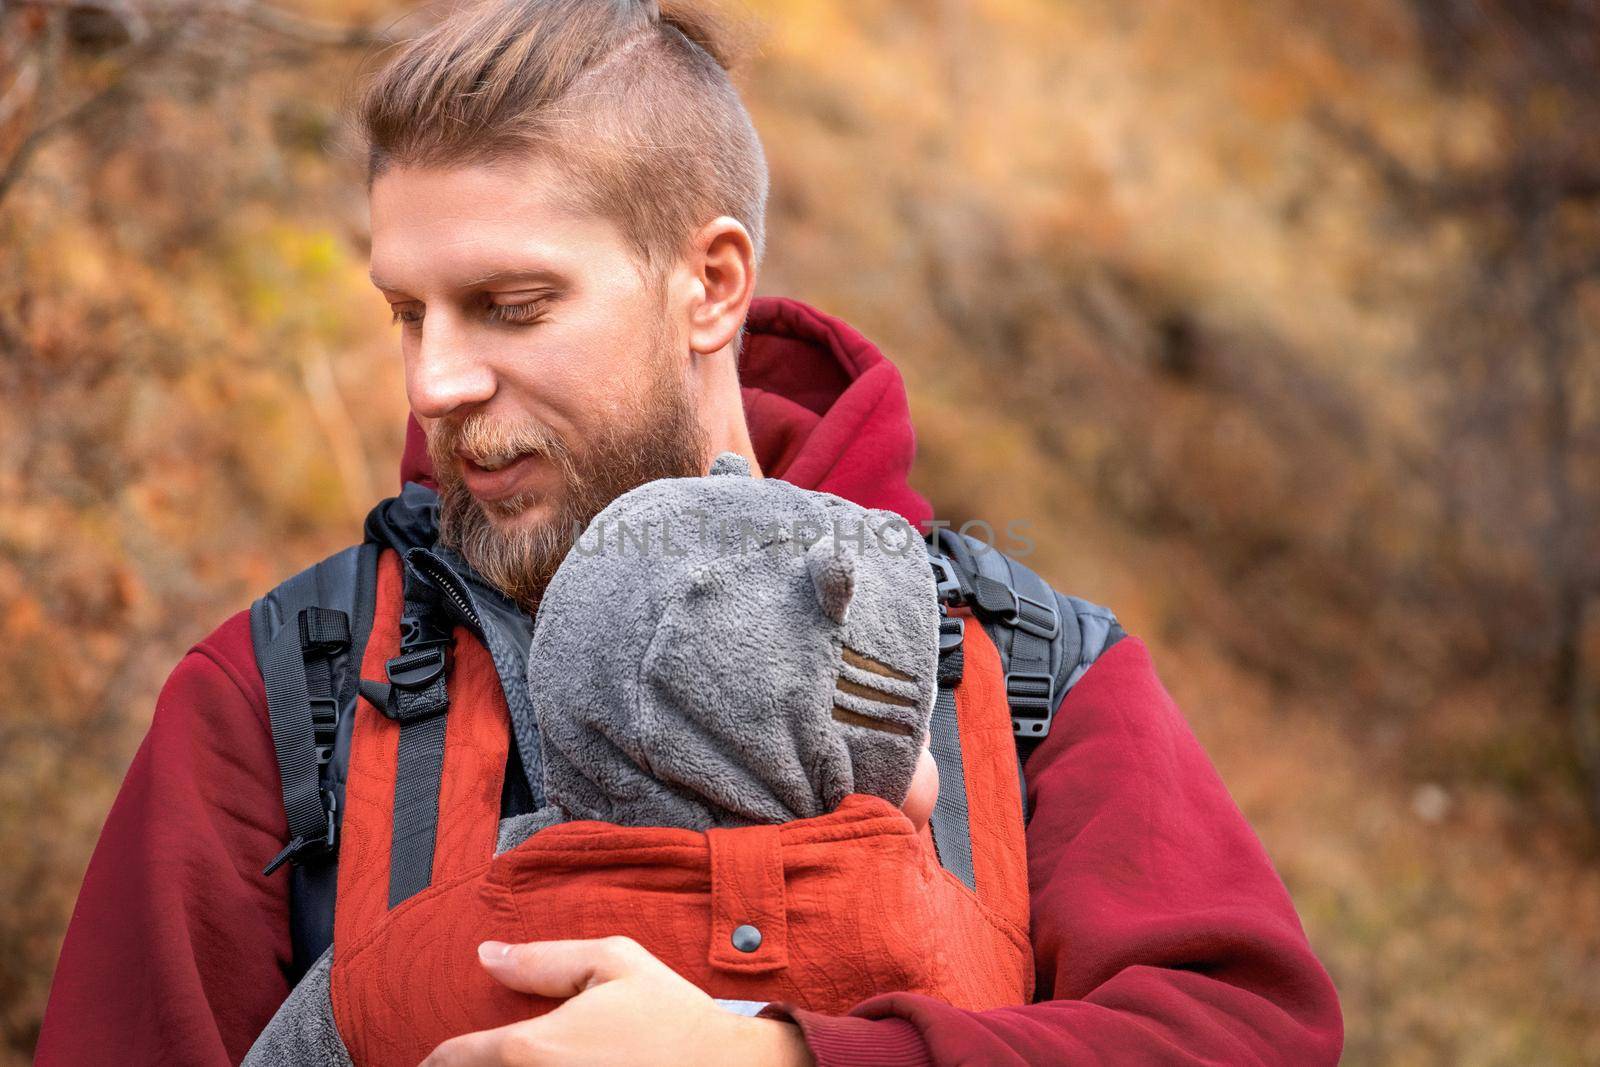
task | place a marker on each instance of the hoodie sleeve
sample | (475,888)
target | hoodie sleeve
(1160,931)
(176,951)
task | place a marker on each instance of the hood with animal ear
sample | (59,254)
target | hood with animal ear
(726,650)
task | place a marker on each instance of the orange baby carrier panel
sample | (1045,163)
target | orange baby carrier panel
(847,905)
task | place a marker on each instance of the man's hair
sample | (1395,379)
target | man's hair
(629,99)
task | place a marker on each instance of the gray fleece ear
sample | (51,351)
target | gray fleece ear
(834,575)
(730,463)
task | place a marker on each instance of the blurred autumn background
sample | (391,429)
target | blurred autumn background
(1279,319)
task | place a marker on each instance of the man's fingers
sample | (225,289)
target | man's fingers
(562,969)
(486,1048)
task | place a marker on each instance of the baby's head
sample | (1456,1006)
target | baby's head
(726,650)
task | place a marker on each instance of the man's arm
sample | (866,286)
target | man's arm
(177,945)
(1161,932)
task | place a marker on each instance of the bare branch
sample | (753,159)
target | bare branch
(14,167)
(263,17)
(23,87)
(146,45)
(114,91)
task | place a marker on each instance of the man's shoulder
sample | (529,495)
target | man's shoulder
(226,651)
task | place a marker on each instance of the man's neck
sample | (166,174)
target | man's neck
(721,409)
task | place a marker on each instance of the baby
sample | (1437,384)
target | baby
(729,651)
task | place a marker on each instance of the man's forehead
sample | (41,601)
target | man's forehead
(474,225)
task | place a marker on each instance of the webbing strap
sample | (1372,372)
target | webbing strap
(1034,621)
(416,807)
(418,699)
(323,631)
(289,714)
(951,821)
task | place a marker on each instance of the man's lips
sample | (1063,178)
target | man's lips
(499,484)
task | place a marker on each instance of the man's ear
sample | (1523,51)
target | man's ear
(724,263)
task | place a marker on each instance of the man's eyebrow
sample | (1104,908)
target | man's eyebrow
(499,274)
(510,274)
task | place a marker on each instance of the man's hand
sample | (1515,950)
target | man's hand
(625,1007)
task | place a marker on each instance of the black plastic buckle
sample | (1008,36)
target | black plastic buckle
(417,685)
(417,670)
(1030,696)
(952,630)
(1010,608)
(1042,622)
(299,848)
(946,585)
(324,726)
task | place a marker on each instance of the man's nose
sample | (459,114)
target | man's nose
(446,371)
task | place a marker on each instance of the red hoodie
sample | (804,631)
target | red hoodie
(1160,930)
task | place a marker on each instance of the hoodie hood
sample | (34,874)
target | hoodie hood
(826,410)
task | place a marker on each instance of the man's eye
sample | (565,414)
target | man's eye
(409,314)
(517,314)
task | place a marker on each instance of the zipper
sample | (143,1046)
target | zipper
(455,592)
(443,578)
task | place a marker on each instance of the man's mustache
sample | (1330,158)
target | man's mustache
(491,441)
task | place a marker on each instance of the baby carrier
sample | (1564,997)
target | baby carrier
(387,671)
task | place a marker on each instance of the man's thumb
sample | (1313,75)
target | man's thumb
(561,969)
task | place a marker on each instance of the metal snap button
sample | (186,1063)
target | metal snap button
(746,938)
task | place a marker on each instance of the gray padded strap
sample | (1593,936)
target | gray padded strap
(950,822)
(335,600)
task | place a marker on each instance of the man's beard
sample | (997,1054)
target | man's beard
(660,437)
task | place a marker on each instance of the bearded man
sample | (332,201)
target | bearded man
(567,205)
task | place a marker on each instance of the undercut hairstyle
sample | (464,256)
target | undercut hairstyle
(630,100)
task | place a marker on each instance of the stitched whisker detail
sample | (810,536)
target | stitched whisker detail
(855,718)
(867,692)
(866,663)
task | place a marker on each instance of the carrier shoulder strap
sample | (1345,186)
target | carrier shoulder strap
(417,697)
(1046,641)
(309,636)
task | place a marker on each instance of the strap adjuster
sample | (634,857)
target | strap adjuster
(417,670)
(324,631)
(1030,695)
(324,726)
(945,583)
(301,847)
(952,662)
(417,685)
(1034,617)
(1016,610)
(952,630)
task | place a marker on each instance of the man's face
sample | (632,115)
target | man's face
(540,359)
